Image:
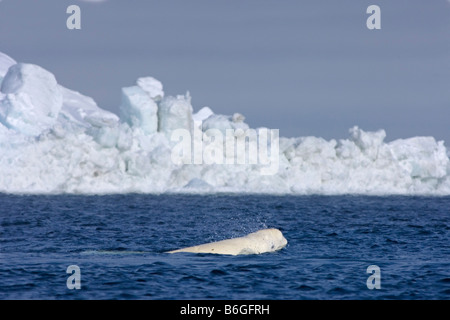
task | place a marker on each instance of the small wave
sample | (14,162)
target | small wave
(111,252)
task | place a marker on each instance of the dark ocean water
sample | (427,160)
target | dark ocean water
(118,242)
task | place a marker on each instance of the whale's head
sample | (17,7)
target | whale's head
(269,239)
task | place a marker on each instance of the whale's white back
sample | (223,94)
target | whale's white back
(266,240)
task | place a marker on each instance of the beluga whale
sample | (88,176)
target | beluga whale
(266,240)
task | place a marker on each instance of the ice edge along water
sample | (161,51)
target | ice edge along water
(54,140)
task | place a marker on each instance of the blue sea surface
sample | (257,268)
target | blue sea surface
(119,244)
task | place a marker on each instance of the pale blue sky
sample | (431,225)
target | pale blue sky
(304,67)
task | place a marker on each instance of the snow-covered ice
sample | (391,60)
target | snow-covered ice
(32,99)
(139,110)
(5,62)
(153,87)
(55,140)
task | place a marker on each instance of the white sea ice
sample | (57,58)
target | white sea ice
(152,87)
(32,99)
(55,140)
(175,113)
(139,110)
(80,110)
(202,114)
(5,62)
